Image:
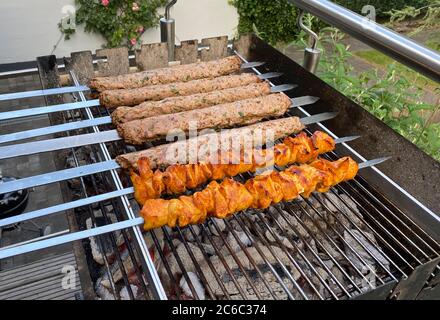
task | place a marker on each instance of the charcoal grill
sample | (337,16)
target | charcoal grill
(377,236)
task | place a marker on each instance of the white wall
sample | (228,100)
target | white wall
(29,28)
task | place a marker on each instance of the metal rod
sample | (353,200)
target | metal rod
(47,109)
(43,92)
(64,206)
(43,244)
(401,48)
(73,125)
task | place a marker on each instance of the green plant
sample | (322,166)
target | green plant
(120,22)
(382,6)
(429,14)
(392,98)
(274,21)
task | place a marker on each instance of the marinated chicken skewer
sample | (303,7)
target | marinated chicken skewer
(221,200)
(185,103)
(179,73)
(131,97)
(176,179)
(199,147)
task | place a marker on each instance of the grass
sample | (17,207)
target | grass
(381,60)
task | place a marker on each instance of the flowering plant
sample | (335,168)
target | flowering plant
(120,22)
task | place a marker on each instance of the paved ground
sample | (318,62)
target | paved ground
(25,166)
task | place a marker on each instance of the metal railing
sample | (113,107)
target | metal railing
(399,47)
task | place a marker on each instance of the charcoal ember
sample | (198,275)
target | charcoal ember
(278,289)
(269,234)
(103,292)
(190,235)
(197,285)
(217,224)
(319,281)
(102,248)
(155,247)
(234,224)
(295,228)
(306,203)
(287,243)
(248,267)
(116,271)
(234,245)
(343,209)
(214,241)
(125,295)
(359,242)
(209,249)
(311,225)
(282,224)
(327,249)
(185,258)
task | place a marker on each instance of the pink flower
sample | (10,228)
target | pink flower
(133,41)
(135,6)
(140,29)
(105,2)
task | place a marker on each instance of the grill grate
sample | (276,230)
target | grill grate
(331,246)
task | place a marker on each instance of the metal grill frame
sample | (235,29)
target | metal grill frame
(254,52)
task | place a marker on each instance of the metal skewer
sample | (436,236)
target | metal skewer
(91,138)
(57,176)
(13,251)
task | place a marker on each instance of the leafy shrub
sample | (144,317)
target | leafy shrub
(274,21)
(382,6)
(120,22)
(392,98)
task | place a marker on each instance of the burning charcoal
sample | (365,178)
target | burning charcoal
(287,243)
(208,248)
(185,258)
(270,237)
(297,227)
(125,295)
(284,226)
(116,270)
(247,265)
(333,203)
(97,253)
(102,292)
(232,241)
(327,248)
(370,259)
(220,225)
(310,225)
(154,253)
(218,242)
(196,283)
(318,282)
(188,235)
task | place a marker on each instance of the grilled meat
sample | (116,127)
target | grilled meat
(221,200)
(131,97)
(178,178)
(166,154)
(185,103)
(219,116)
(181,73)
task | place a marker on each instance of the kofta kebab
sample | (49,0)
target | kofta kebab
(148,105)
